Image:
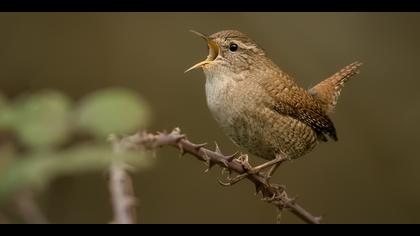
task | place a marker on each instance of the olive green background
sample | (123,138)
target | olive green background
(371,175)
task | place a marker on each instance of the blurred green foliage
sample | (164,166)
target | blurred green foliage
(35,170)
(42,119)
(128,111)
(5,114)
(45,121)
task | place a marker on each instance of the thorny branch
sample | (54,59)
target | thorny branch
(121,188)
(272,193)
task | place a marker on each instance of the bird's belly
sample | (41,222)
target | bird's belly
(255,127)
(267,135)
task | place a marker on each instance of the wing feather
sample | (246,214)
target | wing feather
(293,101)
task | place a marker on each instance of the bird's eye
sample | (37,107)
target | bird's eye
(233,47)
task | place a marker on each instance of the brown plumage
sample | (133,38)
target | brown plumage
(259,106)
(328,91)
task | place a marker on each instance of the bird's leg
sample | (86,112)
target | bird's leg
(271,171)
(275,166)
(275,163)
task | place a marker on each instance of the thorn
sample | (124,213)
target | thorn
(177,133)
(218,149)
(210,164)
(177,130)
(242,158)
(180,137)
(226,163)
(231,157)
(258,188)
(198,146)
(181,149)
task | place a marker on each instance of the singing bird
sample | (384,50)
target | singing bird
(260,107)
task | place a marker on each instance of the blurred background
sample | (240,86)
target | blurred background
(85,61)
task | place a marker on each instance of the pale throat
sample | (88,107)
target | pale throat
(220,89)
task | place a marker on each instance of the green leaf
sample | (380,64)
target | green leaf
(42,119)
(114,110)
(37,170)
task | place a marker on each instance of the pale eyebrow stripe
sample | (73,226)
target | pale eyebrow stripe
(244,45)
(237,40)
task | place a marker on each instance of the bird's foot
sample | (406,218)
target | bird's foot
(249,170)
(243,160)
(280,193)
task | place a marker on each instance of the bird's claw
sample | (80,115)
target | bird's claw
(243,160)
(269,199)
(279,195)
(231,181)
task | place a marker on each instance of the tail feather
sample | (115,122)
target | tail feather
(328,91)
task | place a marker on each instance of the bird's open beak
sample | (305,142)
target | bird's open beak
(213,51)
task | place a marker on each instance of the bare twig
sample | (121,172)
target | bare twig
(121,187)
(29,209)
(272,193)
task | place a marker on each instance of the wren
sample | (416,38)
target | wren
(260,107)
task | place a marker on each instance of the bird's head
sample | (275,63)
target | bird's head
(229,51)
